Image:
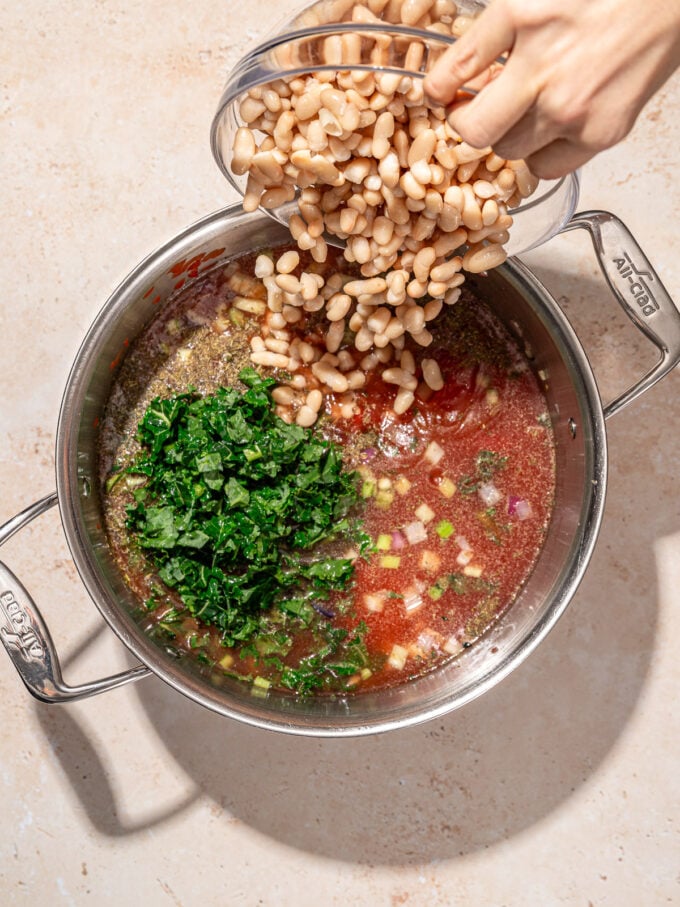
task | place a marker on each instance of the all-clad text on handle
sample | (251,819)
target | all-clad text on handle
(638,289)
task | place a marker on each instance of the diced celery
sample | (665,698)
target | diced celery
(236,317)
(384,542)
(444,529)
(435,592)
(384,498)
(447,487)
(113,480)
(390,561)
(261,682)
(473,570)
(368,488)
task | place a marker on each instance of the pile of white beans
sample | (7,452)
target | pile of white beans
(317,370)
(378,167)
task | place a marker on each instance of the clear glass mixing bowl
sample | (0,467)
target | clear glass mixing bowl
(319,39)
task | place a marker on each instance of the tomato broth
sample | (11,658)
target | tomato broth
(455,494)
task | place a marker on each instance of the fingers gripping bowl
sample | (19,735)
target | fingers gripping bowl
(577,416)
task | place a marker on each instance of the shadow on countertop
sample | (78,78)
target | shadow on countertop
(455,785)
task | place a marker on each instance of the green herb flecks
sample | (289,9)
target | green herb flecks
(237,505)
(340,656)
(487,464)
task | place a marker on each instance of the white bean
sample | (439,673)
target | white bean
(249,305)
(264,266)
(250,109)
(432,309)
(291,313)
(400,377)
(412,188)
(432,374)
(314,400)
(288,262)
(362,287)
(275,197)
(379,320)
(335,335)
(277,346)
(526,181)
(420,171)
(288,283)
(414,319)
(423,262)
(483,189)
(243,150)
(305,416)
(330,376)
(403,400)
(269,359)
(284,395)
(338,306)
(423,338)
(363,339)
(478,259)
(446,270)
(472,213)
(423,147)
(382,133)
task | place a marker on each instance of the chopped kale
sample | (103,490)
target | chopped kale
(234,511)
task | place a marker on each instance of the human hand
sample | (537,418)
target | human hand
(578,74)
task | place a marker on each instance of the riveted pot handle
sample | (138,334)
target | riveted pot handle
(26,638)
(638,290)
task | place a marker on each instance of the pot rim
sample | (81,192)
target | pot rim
(70,490)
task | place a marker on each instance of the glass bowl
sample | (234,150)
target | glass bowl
(319,39)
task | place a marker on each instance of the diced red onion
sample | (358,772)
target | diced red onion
(368,453)
(415,532)
(433,453)
(523,510)
(398,540)
(453,645)
(412,600)
(519,507)
(427,641)
(374,601)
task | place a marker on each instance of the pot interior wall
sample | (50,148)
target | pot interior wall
(531,315)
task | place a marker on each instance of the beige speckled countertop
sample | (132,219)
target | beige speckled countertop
(561,786)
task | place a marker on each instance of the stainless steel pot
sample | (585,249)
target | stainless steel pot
(578,418)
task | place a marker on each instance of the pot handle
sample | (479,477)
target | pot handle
(638,290)
(26,638)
